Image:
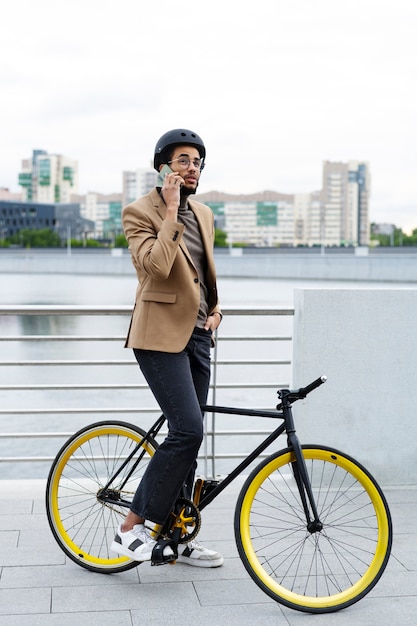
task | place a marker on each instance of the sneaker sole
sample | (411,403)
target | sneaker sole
(200,562)
(120,549)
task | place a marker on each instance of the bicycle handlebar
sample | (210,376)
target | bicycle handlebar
(316,383)
(299,394)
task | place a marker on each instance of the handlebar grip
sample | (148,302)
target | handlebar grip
(316,383)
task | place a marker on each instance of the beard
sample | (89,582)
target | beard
(187,191)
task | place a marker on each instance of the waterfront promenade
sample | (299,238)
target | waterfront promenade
(40,587)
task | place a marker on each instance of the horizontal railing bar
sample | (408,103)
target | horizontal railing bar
(131,362)
(162,433)
(93,410)
(254,338)
(74,338)
(82,411)
(121,338)
(104,386)
(81,387)
(69,362)
(50,459)
(53,309)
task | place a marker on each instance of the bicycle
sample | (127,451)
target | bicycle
(312,526)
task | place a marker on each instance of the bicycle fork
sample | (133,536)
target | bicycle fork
(314,524)
(299,468)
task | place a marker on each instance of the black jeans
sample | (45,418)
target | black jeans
(180,383)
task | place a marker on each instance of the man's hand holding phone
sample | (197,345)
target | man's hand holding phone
(171,183)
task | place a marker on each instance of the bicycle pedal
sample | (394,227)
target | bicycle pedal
(158,556)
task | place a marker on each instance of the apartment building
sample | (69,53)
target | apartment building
(104,210)
(48,178)
(345,203)
(137,183)
(338,214)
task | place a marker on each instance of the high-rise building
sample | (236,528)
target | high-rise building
(345,203)
(48,178)
(137,183)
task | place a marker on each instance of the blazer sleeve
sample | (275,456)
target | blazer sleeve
(153,242)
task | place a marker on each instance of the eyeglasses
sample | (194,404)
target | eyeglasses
(184,163)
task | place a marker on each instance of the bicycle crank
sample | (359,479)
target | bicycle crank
(184,522)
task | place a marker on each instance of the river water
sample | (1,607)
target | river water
(120,290)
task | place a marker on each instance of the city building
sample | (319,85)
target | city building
(6,194)
(345,203)
(137,183)
(336,215)
(65,219)
(261,219)
(104,210)
(48,178)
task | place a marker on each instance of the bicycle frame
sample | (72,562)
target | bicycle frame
(252,455)
(300,473)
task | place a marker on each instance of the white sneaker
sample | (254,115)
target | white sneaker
(137,543)
(193,553)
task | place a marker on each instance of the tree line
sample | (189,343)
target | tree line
(48,238)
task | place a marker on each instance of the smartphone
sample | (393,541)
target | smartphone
(161,175)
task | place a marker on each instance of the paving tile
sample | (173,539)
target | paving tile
(23,522)
(109,618)
(234,615)
(39,536)
(18,507)
(69,575)
(39,506)
(400,495)
(366,612)
(23,489)
(181,572)
(13,602)
(230,592)
(396,584)
(8,539)
(175,596)
(403,518)
(405,550)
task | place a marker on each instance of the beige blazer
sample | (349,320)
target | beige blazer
(168,294)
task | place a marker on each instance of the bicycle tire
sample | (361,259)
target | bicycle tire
(325,571)
(83,526)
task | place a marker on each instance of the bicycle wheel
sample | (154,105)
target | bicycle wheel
(82,524)
(314,572)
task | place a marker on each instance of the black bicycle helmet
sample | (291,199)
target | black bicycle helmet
(177,137)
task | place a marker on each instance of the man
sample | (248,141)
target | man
(171,242)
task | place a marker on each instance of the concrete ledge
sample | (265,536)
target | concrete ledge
(365,341)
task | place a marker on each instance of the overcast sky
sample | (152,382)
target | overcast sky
(274,88)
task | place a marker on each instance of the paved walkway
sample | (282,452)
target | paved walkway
(39,586)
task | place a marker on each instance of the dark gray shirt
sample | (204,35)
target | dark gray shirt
(194,243)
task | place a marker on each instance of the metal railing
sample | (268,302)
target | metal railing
(36,390)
